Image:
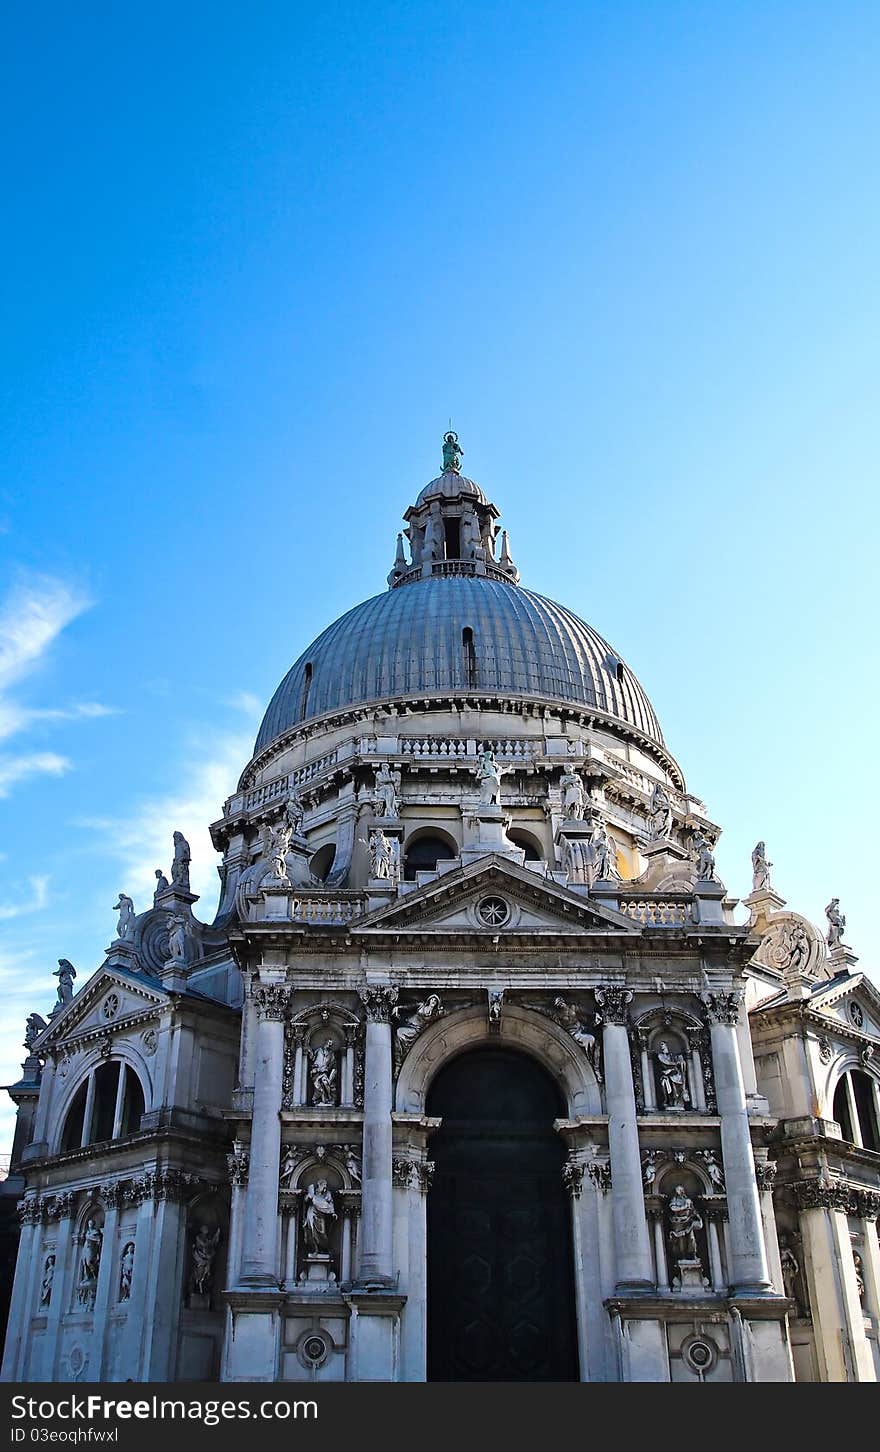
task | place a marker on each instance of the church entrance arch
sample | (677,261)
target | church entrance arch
(500,1267)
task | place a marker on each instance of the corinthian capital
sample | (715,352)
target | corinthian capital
(271,999)
(723,1007)
(613,1003)
(378,1000)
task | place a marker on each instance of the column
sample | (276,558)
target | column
(21,1307)
(631,1242)
(656,1214)
(262,1226)
(748,1262)
(89,1110)
(842,1349)
(716,1270)
(647,1076)
(347,1097)
(299,1033)
(765,1171)
(106,1289)
(120,1102)
(698,1089)
(376,1214)
(868,1208)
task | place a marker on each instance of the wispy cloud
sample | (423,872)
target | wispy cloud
(33,614)
(38,899)
(141,840)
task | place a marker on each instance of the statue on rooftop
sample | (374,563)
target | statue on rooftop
(180,865)
(574,796)
(660,815)
(489,775)
(836,923)
(452,452)
(386,798)
(65,973)
(760,869)
(125,923)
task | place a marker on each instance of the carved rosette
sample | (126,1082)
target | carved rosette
(600,1174)
(378,1000)
(723,1007)
(271,1000)
(411,1174)
(614,1003)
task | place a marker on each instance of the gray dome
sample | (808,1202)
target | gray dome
(408,642)
(449,486)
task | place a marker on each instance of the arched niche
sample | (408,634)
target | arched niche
(207,1240)
(519,1028)
(671,1049)
(424,847)
(88,1251)
(321,863)
(530,842)
(319,1196)
(322,1058)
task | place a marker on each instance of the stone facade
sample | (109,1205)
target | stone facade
(224,1154)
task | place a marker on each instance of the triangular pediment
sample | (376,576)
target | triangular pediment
(111,997)
(459,902)
(851,1000)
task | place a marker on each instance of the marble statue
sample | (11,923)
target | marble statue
(860,1275)
(181,861)
(791,1271)
(487,536)
(568,1016)
(660,815)
(760,869)
(33,1028)
(294,812)
(48,1281)
(288,1165)
(496,1004)
(714,1171)
(204,1252)
(604,854)
(489,776)
(434,543)
(386,793)
(684,1222)
(380,855)
(279,846)
(323,1073)
(125,924)
(162,883)
(836,923)
(126,1266)
(177,938)
(452,452)
(65,973)
(468,535)
(673,1077)
(408,1031)
(798,945)
(353,1165)
(318,1210)
(704,857)
(574,796)
(89,1264)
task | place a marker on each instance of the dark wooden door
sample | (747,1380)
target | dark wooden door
(500,1273)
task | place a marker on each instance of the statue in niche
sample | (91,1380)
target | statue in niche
(574,796)
(294,812)
(569,1018)
(836,923)
(34,1026)
(65,973)
(324,1074)
(684,1222)
(704,858)
(89,1265)
(673,1077)
(125,922)
(386,792)
(180,862)
(434,544)
(487,535)
(288,1165)
(126,1267)
(496,1004)
(416,543)
(860,1277)
(791,1271)
(604,854)
(177,939)
(469,534)
(489,776)
(353,1165)
(279,846)
(714,1171)
(162,883)
(204,1252)
(660,815)
(318,1211)
(760,868)
(48,1281)
(452,452)
(408,1031)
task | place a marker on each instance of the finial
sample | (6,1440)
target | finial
(452,452)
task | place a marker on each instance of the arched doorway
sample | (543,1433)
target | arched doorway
(500,1270)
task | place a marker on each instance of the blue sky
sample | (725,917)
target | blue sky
(256,257)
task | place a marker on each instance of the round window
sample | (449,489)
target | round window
(313,1350)
(110,1007)
(700,1355)
(493,911)
(855,1013)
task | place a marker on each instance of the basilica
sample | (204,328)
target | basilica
(479,1073)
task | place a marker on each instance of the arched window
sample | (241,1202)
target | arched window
(855,1109)
(424,853)
(322,862)
(307,686)
(527,842)
(107,1105)
(470,656)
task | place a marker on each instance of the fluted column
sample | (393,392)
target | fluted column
(376,1231)
(748,1257)
(260,1250)
(631,1241)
